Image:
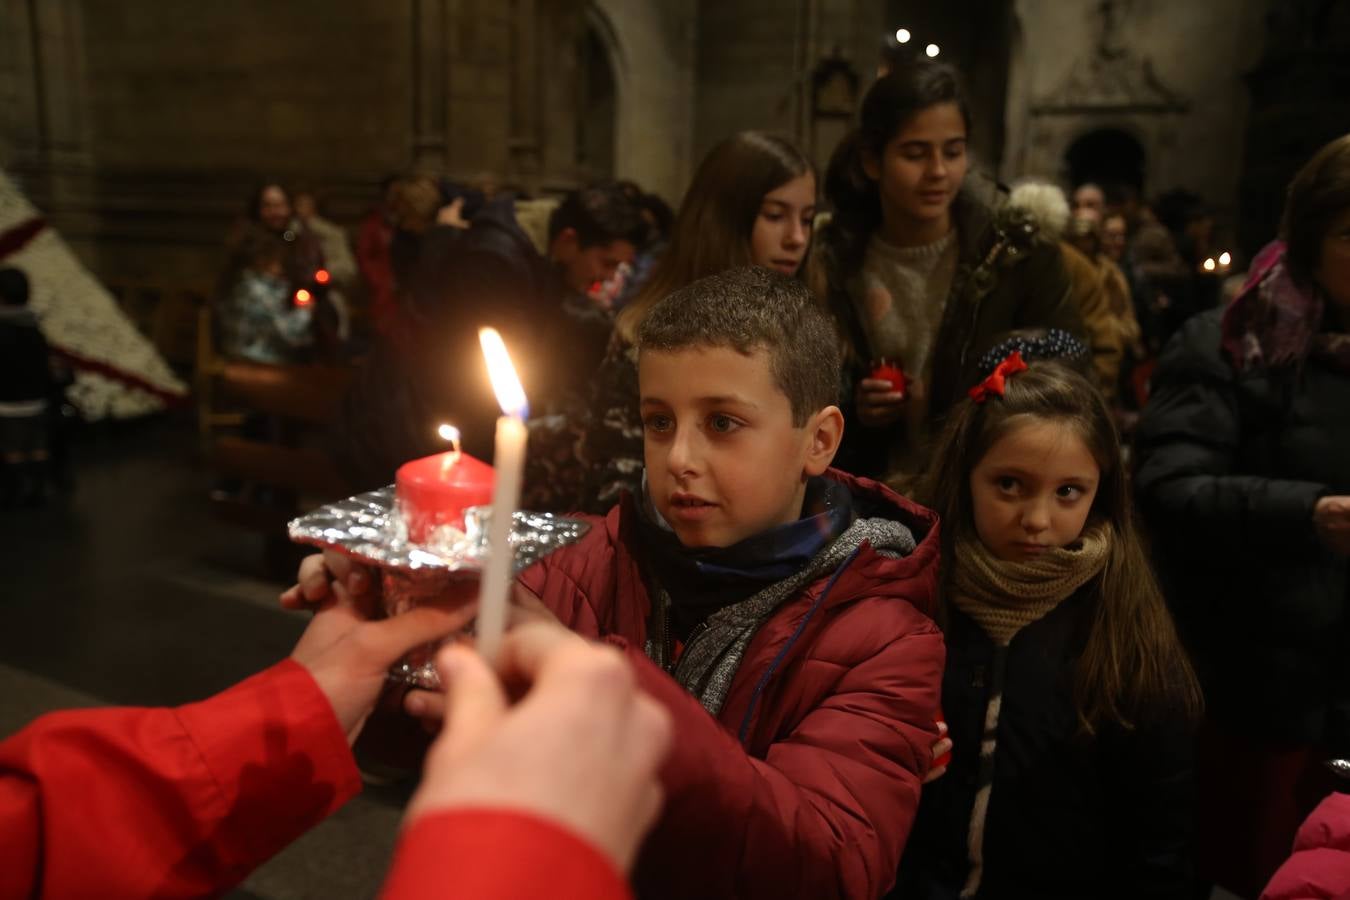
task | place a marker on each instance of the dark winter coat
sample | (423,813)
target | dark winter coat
(25,374)
(1008,277)
(1069,816)
(1230,466)
(806,782)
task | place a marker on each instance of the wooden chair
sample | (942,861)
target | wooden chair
(285,458)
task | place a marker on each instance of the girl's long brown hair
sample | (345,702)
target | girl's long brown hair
(1133,663)
(712,231)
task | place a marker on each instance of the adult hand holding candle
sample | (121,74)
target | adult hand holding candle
(508,461)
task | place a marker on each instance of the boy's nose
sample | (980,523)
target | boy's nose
(680,458)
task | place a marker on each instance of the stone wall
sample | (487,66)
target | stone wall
(1171,77)
(756,58)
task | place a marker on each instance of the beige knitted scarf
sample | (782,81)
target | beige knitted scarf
(1004,597)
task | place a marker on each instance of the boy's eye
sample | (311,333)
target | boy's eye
(657,422)
(723,424)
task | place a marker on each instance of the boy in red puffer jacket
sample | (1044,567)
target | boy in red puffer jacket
(775,606)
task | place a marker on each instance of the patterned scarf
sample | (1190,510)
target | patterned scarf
(1003,598)
(1275,322)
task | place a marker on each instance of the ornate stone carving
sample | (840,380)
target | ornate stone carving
(1112,79)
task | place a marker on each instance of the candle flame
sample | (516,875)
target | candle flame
(505,382)
(1225,258)
(1209,264)
(449,460)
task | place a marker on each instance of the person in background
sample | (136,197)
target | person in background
(373,241)
(261,319)
(428,368)
(1089,197)
(26,389)
(1115,232)
(752,202)
(1122,335)
(1068,697)
(926,268)
(339,264)
(269,220)
(1244,477)
(1049,209)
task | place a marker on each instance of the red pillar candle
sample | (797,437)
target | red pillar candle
(889,370)
(435,490)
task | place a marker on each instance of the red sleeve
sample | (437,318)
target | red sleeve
(826,813)
(178,802)
(1320,866)
(488,854)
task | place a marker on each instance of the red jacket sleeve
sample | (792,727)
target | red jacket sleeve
(1320,866)
(492,854)
(180,802)
(828,810)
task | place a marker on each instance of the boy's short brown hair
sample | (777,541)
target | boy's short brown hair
(746,309)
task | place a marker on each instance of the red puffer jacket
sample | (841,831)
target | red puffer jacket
(1320,866)
(807,782)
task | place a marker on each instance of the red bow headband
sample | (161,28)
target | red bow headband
(997,381)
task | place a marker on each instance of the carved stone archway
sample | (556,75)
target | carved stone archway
(1110,88)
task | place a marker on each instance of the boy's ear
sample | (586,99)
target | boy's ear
(824,431)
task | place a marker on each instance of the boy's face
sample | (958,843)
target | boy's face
(724,460)
(583,267)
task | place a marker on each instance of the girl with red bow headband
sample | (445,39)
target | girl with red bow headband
(1067,694)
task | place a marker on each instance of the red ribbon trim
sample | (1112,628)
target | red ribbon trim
(18,237)
(997,382)
(168,397)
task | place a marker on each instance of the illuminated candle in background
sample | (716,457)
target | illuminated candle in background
(508,460)
(1225,258)
(1210,265)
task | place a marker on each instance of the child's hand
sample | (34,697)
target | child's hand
(1331,518)
(878,404)
(349,655)
(941,748)
(582,748)
(319,573)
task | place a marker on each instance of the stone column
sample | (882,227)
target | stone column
(431,86)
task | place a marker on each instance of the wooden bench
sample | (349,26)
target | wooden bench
(289,463)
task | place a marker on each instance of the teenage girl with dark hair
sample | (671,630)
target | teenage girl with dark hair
(926,267)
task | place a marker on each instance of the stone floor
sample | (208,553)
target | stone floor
(128,591)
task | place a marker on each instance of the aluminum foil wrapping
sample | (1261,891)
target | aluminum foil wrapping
(369,529)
